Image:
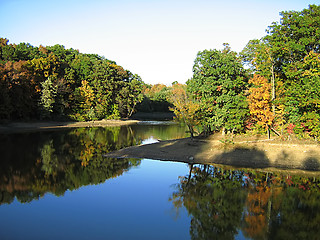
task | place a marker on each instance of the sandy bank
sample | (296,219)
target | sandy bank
(29,126)
(260,154)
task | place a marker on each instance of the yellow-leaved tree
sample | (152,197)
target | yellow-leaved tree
(259,100)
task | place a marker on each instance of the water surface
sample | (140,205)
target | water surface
(57,185)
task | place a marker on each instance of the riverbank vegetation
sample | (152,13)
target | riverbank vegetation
(272,86)
(54,83)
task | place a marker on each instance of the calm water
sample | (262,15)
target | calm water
(57,185)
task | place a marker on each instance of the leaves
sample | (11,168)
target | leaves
(54,82)
(185,109)
(259,100)
(218,84)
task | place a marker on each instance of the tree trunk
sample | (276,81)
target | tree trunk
(273,89)
(191,131)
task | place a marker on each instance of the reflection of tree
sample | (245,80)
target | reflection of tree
(214,199)
(256,217)
(282,207)
(64,160)
(49,159)
(298,216)
(263,205)
(35,163)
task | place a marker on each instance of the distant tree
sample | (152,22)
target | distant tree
(130,95)
(56,83)
(155,98)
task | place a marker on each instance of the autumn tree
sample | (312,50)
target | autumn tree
(259,57)
(56,83)
(256,218)
(259,100)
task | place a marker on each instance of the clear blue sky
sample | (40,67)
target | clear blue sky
(156,39)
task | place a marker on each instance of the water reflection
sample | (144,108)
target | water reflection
(214,202)
(33,164)
(222,203)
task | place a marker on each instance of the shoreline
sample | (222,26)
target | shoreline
(255,153)
(51,125)
(260,154)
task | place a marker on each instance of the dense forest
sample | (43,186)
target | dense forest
(272,85)
(57,83)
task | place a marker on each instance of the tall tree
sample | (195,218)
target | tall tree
(259,57)
(295,43)
(259,101)
(295,36)
(303,96)
(218,83)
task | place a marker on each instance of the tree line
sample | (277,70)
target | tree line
(57,83)
(272,85)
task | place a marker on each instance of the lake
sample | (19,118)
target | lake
(57,185)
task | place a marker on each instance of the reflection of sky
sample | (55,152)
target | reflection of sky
(132,206)
(149,140)
(156,123)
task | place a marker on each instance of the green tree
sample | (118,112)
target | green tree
(185,108)
(295,36)
(130,95)
(303,95)
(218,83)
(47,99)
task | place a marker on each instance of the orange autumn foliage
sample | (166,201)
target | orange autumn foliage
(256,218)
(259,101)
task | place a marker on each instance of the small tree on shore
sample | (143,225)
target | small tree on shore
(185,109)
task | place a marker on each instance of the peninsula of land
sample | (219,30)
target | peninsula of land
(247,153)
(41,125)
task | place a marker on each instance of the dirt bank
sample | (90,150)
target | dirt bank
(30,126)
(260,153)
